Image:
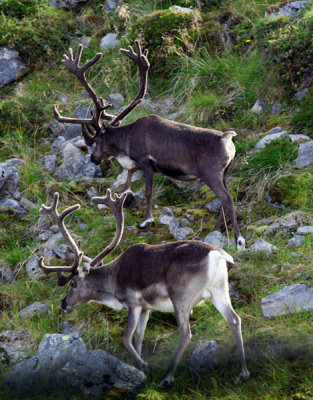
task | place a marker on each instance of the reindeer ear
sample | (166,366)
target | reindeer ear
(84,270)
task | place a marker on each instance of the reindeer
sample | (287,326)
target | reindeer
(171,277)
(152,143)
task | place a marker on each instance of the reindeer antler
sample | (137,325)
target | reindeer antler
(143,64)
(115,203)
(72,64)
(59,220)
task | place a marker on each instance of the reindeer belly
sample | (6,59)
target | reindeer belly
(156,298)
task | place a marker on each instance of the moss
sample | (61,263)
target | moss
(295,190)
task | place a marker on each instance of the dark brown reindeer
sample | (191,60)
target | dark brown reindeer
(172,277)
(152,143)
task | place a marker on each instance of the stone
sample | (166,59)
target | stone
(258,107)
(31,310)
(290,9)
(111,5)
(276,129)
(301,94)
(214,205)
(282,228)
(181,9)
(121,179)
(67,4)
(11,66)
(27,204)
(203,358)
(183,223)
(49,162)
(305,230)
(9,179)
(68,329)
(32,268)
(64,367)
(42,237)
(165,219)
(8,275)
(135,200)
(168,211)
(83,227)
(268,139)
(116,99)
(178,232)
(299,138)
(290,299)
(296,241)
(57,144)
(68,130)
(76,164)
(8,205)
(215,238)
(53,242)
(262,245)
(305,154)
(14,346)
(275,108)
(109,41)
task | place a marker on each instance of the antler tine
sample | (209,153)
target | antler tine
(143,64)
(115,203)
(59,220)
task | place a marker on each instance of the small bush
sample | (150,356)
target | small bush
(21,8)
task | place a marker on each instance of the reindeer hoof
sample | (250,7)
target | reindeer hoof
(244,375)
(241,244)
(168,380)
(146,223)
(129,198)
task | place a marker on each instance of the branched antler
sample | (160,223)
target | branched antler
(52,211)
(115,203)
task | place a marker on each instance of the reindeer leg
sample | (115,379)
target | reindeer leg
(148,173)
(221,300)
(221,191)
(182,317)
(140,331)
(134,313)
(127,188)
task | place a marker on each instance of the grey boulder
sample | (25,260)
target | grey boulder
(11,66)
(203,358)
(305,154)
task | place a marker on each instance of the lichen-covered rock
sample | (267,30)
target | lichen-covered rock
(11,66)
(109,41)
(32,309)
(49,162)
(32,268)
(203,358)
(8,205)
(305,230)
(214,205)
(262,245)
(217,239)
(290,299)
(9,179)
(179,233)
(305,154)
(67,131)
(289,8)
(14,346)
(296,241)
(269,138)
(63,365)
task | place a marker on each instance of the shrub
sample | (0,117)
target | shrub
(21,8)
(302,118)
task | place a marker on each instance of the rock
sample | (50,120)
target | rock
(136,200)
(64,252)
(11,66)
(19,89)
(276,129)
(268,139)
(178,232)
(109,41)
(67,4)
(42,237)
(63,98)
(214,205)
(57,144)
(290,299)
(203,358)
(8,275)
(14,346)
(53,242)
(262,245)
(290,9)
(181,9)
(9,179)
(305,230)
(32,268)
(301,94)
(296,241)
(67,131)
(30,311)
(27,204)
(49,162)
(305,154)
(165,219)
(116,99)
(183,223)
(275,108)
(11,206)
(120,181)
(111,5)
(63,366)
(299,138)
(83,227)
(282,228)
(68,329)
(76,164)
(215,238)
(168,211)
(258,107)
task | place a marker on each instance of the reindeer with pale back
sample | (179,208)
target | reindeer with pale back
(152,143)
(172,277)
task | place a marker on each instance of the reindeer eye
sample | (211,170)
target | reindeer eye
(73,284)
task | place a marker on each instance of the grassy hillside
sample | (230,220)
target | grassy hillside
(212,83)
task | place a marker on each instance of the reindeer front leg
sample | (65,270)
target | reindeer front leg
(140,331)
(148,174)
(134,313)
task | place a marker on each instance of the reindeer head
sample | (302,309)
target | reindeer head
(81,290)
